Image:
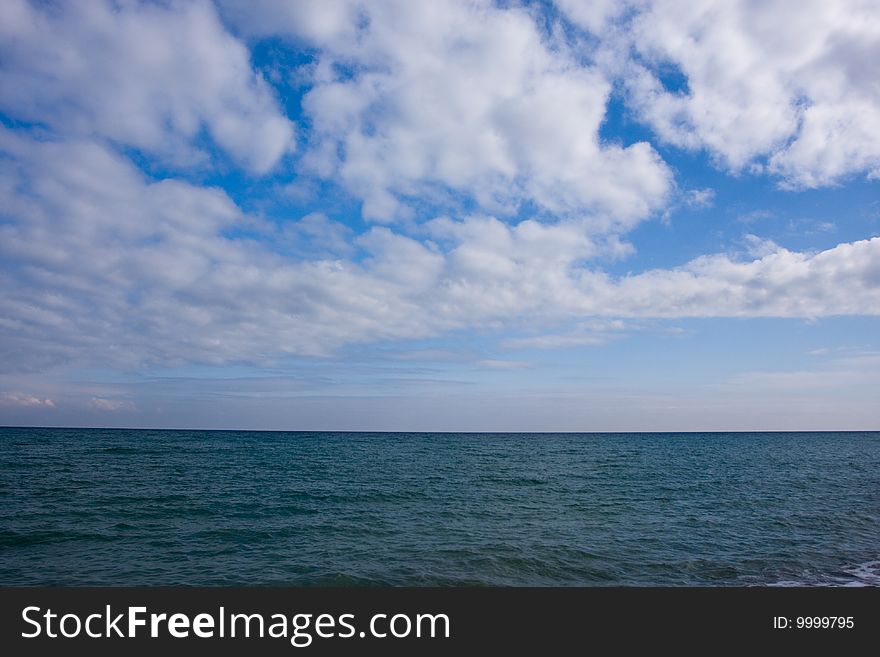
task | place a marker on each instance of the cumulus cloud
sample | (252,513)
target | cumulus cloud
(456,119)
(437,100)
(148,75)
(106,267)
(317,21)
(844,280)
(761,86)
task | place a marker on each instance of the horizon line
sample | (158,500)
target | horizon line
(442,431)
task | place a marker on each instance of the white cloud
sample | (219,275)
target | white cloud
(440,103)
(758,247)
(26,401)
(152,76)
(699,198)
(104,267)
(591,333)
(768,86)
(562,341)
(111,405)
(860,372)
(432,100)
(844,280)
(595,16)
(316,21)
(314,236)
(505,365)
(755,216)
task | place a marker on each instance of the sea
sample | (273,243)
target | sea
(241,508)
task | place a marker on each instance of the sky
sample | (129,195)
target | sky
(627,215)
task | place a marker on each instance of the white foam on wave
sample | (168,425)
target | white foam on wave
(788,583)
(863,574)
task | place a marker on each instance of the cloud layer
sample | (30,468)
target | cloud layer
(471,134)
(103,265)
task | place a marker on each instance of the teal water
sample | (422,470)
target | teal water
(126,507)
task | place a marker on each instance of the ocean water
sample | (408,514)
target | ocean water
(126,507)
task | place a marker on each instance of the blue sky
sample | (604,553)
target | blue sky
(446,215)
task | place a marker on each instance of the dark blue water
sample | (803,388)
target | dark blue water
(123,507)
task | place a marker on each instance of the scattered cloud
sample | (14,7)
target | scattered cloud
(764,89)
(699,198)
(779,283)
(153,76)
(810,226)
(755,216)
(562,341)
(26,401)
(758,247)
(111,405)
(589,333)
(691,199)
(507,365)
(107,267)
(462,140)
(860,371)
(415,100)
(436,355)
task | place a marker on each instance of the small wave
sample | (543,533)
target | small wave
(863,574)
(130,450)
(26,539)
